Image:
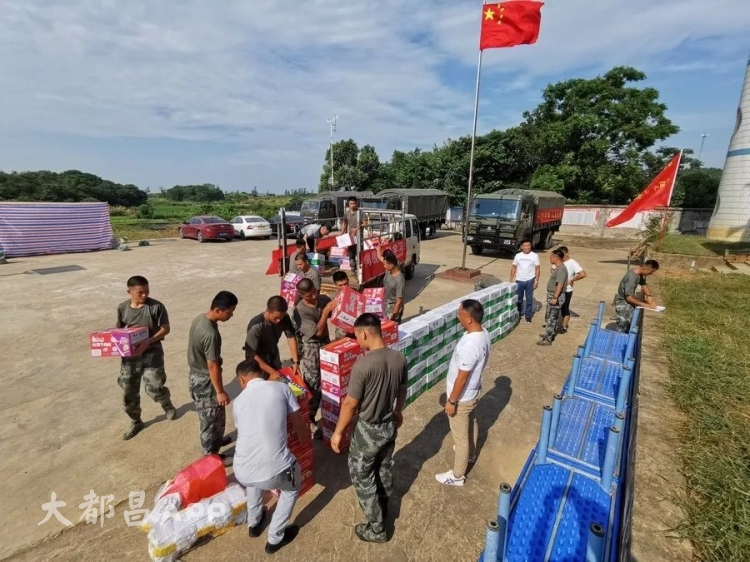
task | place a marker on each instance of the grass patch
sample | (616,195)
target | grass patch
(708,340)
(697,246)
(144,230)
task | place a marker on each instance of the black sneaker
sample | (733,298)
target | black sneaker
(226,440)
(366,533)
(290,534)
(254,532)
(562,330)
(544,342)
(134,429)
(528,320)
(170,411)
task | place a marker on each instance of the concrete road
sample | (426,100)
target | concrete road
(63,419)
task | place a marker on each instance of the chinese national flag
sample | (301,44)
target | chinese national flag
(508,24)
(657,194)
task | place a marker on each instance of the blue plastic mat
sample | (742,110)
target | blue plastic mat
(610,345)
(598,380)
(548,495)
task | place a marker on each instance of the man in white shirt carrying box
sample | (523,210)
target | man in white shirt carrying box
(525,273)
(464,385)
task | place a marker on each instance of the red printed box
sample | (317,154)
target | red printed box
(342,353)
(289,288)
(336,380)
(330,416)
(350,304)
(333,389)
(334,397)
(389,330)
(375,301)
(337,370)
(117,342)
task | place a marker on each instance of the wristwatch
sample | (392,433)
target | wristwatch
(452,403)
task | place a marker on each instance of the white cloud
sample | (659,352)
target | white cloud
(263,75)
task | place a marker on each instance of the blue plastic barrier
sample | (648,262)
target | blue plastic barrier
(569,501)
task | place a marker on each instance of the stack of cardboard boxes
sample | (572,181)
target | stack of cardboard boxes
(303,453)
(429,340)
(336,362)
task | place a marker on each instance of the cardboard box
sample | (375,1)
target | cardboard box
(345,240)
(333,389)
(289,287)
(117,342)
(389,330)
(334,397)
(350,304)
(337,252)
(375,301)
(342,352)
(334,379)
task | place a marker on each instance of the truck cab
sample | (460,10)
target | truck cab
(328,208)
(500,221)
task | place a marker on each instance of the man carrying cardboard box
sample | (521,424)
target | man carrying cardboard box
(311,315)
(394,283)
(341,280)
(263,335)
(377,391)
(147,364)
(301,246)
(464,385)
(205,380)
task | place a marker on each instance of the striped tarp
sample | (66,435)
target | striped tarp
(29,229)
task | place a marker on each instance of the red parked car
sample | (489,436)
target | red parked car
(207,228)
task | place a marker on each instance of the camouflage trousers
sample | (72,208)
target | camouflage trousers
(150,370)
(623,316)
(370,468)
(309,364)
(212,417)
(552,317)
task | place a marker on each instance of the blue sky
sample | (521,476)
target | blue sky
(237,92)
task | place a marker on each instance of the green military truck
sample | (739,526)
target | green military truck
(500,221)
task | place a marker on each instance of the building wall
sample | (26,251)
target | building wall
(589,220)
(731,217)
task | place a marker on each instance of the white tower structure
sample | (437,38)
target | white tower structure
(731,218)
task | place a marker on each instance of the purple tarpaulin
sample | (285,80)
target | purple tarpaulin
(29,229)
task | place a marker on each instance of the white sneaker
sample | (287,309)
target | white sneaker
(472,458)
(449,479)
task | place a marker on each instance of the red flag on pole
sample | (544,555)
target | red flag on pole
(657,194)
(508,24)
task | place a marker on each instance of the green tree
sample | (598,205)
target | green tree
(368,166)
(346,173)
(593,135)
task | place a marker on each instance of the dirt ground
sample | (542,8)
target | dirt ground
(64,420)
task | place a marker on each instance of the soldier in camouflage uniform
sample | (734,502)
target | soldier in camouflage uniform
(377,392)
(147,364)
(311,315)
(626,300)
(558,280)
(205,380)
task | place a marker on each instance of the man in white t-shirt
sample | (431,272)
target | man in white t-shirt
(464,385)
(525,274)
(575,273)
(262,459)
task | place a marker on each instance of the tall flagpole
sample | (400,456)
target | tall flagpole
(471,155)
(662,230)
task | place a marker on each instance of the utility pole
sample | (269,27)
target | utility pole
(704,136)
(332,123)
